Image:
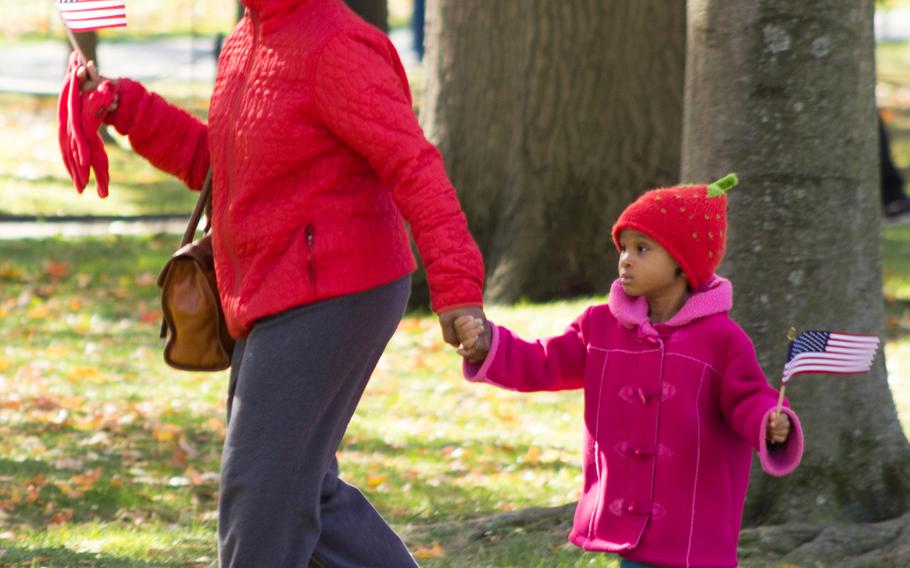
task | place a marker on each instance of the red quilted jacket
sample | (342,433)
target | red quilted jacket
(318,160)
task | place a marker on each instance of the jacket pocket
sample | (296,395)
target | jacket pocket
(310,233)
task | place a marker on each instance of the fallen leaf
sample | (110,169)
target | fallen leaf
(56,270)
(178,458)
(87,480)
(84,373)
(149,316)
(64,516)
(40,311)
(435,551)
(44,403)
(533,455)
(145,279)
(374,481)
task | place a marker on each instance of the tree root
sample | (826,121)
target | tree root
(886,543)
(874,545)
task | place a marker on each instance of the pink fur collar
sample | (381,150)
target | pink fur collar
(716,296)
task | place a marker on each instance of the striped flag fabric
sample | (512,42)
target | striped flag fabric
(830,353)
(86,15)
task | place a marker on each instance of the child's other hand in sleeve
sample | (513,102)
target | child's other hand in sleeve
(475,338)
(778,428)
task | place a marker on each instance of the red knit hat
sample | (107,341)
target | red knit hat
(690,221)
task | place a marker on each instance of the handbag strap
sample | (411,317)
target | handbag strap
(204,203)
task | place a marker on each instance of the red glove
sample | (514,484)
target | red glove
(70,103)
(79,116)
(94,108)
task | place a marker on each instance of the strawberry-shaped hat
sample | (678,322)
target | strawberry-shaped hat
(689,221)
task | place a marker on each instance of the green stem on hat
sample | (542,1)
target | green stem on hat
(723,185)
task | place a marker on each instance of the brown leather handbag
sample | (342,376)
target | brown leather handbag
(193,323)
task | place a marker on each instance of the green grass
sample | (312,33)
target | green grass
(33,180)
(110,458)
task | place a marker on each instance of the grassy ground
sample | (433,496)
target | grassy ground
(33,180)
(109,458)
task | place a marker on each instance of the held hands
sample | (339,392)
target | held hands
(778,428)
(475,336)
(476,351)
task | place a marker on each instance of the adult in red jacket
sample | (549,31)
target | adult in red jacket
(318,160)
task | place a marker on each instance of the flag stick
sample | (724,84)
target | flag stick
(791,335)
(72,38)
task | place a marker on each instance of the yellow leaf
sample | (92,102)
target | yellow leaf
(38,312)
(375,481)
(84,373)
(165,433)
(67,490)
(533,455)
(435,551)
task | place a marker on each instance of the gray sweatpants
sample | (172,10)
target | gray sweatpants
(295,382)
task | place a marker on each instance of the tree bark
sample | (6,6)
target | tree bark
(375,12)
(552,116)
(782,93)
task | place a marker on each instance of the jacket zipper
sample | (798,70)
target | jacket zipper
(310,265)
(231,161)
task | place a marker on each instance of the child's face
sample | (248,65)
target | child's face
(645,267)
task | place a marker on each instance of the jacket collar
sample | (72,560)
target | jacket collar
(716,296)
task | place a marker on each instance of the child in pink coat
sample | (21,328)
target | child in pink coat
(675,401)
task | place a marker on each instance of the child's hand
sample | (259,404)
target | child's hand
(778,428)
(475,338)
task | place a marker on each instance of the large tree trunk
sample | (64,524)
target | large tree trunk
(782,93)
(552,116)
(374,11)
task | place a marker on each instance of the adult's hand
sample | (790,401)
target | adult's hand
(447,322)
(89,79)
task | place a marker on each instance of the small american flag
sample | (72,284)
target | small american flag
(830,353)
(85,15)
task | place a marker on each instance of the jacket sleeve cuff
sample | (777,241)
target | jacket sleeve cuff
(478,372)
(462,305)
(780,459)
(129,96)
(468,294)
